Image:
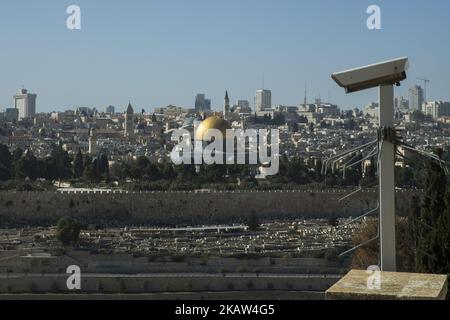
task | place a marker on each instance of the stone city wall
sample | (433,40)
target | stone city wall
(177,208)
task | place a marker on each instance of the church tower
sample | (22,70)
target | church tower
(226,106)
(129,122)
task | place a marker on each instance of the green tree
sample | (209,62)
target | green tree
(68,231)
(441,242)
(185,173)
(166,171)
(212,173)
(61,163)
(139,167)
(78,165)
(17,154)
(294,170)
(27,167)
(103,166)
(433,208)
(5,163)
(91,173)
(414,220)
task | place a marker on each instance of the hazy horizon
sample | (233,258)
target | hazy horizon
(157,53)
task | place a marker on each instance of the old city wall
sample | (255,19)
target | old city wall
(176,208)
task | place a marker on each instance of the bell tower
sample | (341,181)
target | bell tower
(129,122)
(226,106)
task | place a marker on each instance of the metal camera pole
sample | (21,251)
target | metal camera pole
(383,75)
(387,181)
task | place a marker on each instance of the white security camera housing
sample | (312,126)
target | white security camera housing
(384,73)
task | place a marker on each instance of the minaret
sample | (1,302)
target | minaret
(92,142)
(226,106)
(304,102)
(129,122)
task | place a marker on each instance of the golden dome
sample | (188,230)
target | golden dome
(212,123)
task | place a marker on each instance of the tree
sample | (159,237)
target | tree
(279,119)
(414,219)
(185,173)
(17,154)
(103,166)
(294,170)
(61,163)
(27,167)
(253,223)
(5,163)
(78,165)
(433,208)
(139,167)
(353,175)
(318,176)
(333,220)
(91,171)
(352,125)
(212,173)
(418,116)
(68,231)
(441,242)
(5,173)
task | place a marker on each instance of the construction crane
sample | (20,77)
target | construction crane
(425,83)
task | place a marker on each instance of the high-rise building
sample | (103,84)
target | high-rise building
(110,110)
(437,109)
(401,103)
(25,103)
(263,100)
(201,103)
(129,122)
(415,96)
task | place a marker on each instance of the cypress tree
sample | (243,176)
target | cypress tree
(433,212)
(78,165)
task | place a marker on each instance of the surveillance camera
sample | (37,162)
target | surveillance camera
(384,73)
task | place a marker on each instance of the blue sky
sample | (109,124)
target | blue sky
(160,52)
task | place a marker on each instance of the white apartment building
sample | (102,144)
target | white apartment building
(25,103)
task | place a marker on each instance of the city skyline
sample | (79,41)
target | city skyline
(144,52)
(255,105)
